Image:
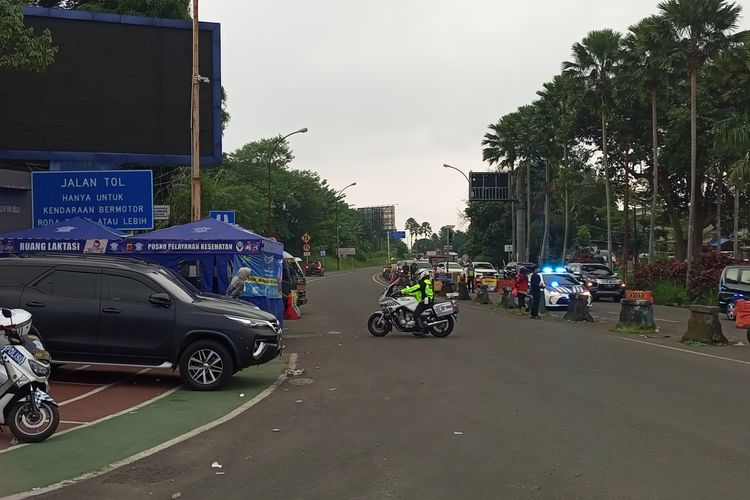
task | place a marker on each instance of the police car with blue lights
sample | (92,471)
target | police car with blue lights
(558,285)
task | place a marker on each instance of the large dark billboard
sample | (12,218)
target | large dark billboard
(118,91)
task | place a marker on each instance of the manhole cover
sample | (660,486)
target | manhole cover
(300,381)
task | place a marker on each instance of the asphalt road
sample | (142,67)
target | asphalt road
(506,407)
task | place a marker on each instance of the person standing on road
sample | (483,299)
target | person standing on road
(470,277)
(238,283)
(522,288)
(535,287)
(422,291)
(413,271)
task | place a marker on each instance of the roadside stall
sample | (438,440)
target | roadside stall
(209,253)
(73,236)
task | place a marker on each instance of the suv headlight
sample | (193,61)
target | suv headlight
(252,323)
(255,323)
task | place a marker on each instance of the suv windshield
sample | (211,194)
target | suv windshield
(424,265)
(176,284)
(483,265)
(597,269)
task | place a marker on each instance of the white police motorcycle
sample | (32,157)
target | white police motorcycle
(25,406)
(397,311)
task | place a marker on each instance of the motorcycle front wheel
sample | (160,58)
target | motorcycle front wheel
(29,427)
(443,329)
(378,326)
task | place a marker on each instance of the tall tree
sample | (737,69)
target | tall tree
(702,27)
(21,48)
(595,59)
(733,136)
(648,46)
(412,227)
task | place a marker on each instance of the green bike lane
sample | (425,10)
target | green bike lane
(96,447)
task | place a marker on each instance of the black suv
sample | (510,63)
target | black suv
(512,269)
(734,285)
(121,311)
(599,280)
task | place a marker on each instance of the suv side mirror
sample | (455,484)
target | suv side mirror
(160,299)
(7,313)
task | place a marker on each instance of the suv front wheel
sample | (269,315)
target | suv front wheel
(206,365)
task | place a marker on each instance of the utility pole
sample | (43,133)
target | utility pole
(195,194)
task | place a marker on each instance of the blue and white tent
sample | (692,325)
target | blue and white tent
(76,235)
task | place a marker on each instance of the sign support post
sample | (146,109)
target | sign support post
(195,197)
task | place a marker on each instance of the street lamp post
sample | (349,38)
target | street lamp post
(336,206)
(459,171)
(270,160)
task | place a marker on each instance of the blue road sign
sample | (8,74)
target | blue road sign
(322,253)
(122,199)
(222,215)
(397,235)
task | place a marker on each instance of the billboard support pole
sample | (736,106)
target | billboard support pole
(195,198)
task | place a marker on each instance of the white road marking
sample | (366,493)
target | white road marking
(655,319)
(87,424)
(100,389)
(688,351)
(147,453)
(61,382)
(72,422)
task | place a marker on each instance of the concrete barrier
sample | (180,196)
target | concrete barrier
(463,291)
(704,326)
(483,295)
(509,301)
(578,308)
(636,316)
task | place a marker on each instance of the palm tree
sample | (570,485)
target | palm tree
(594,60)
(425,229)
(733,136)
(647,47)
(412,226)
(556,113)
(501,147)
(702,27)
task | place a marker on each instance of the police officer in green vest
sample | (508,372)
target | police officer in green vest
(422,291)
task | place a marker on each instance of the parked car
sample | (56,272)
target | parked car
(734,285)
(293,278)
(558,287)
(512,269)
(314,268)
(124,311)
(484,269)
(599,280)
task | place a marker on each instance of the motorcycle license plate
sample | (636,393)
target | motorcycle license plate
(443,309)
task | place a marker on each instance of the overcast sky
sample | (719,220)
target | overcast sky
(393,89)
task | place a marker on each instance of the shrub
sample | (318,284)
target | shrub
(661,270)
(668,292)
(703,280)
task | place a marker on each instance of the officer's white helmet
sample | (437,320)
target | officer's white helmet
(422,274)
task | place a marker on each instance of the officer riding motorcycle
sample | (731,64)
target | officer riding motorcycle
(422,291)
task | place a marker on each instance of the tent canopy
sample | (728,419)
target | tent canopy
(76,235)
(204,236)
(209,252)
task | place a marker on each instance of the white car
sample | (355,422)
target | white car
(482,269)
(557,287)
